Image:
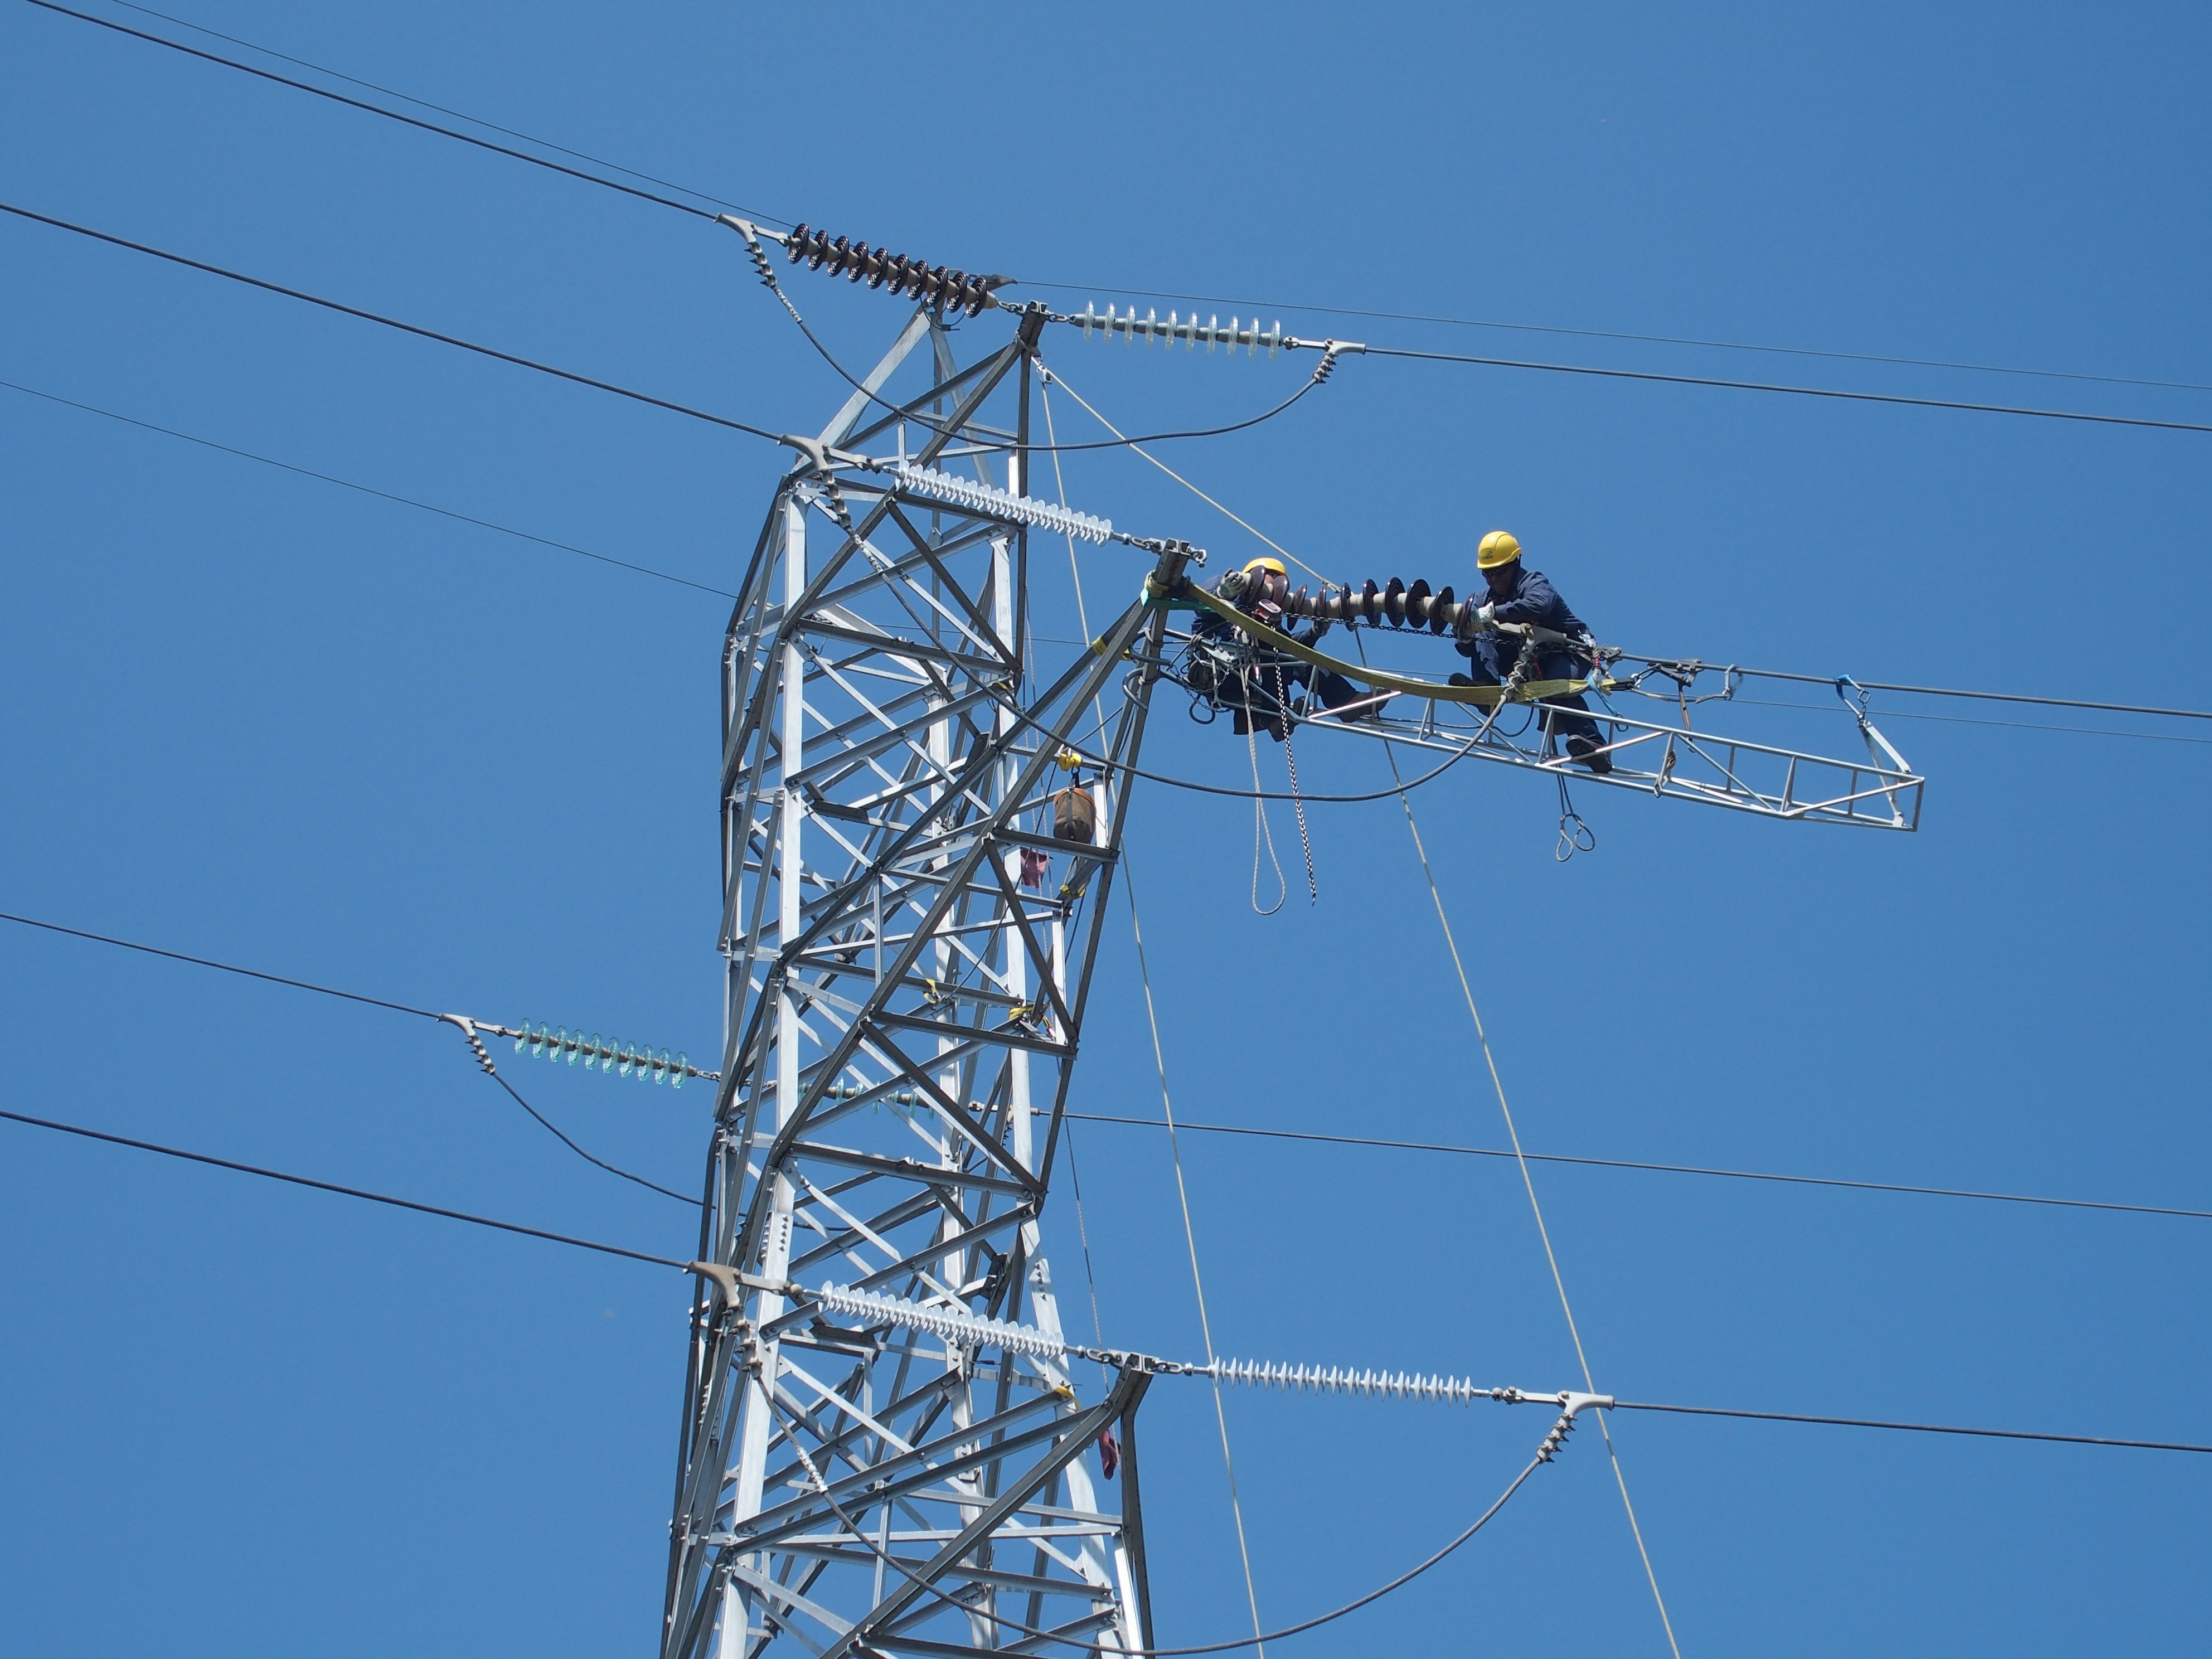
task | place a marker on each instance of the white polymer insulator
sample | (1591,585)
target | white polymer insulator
(948,1323)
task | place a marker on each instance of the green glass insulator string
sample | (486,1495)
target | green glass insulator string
(640,1061)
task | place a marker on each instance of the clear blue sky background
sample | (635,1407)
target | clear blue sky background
(254,716)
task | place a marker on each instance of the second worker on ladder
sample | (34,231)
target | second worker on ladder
(1518,595)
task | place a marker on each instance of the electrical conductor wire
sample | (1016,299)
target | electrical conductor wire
(373,109)
(1284,1134)
(391,322)
(348,996)
(555,1130)
(1791,391)
(771,219)
(1179,783)
(852,1526)
(344,1192)
(101,1135)
(368,490)
(459,115)
(1615,334)
(1655,1169)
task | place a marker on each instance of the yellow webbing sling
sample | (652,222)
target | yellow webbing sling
(1482,697)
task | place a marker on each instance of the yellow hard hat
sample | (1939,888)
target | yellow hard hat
(1273,567)
(1497,547)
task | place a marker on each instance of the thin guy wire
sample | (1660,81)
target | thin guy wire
(1537,1209)
(344,1192)
(458,114)
(367,489)
(416,329)
(1190,1238)
(1613,334)
(1054,376)
(1098,713)
(1967,720)
(1083,1233)
(373,109)
(1981,697)
(1792,391)
(768,218)
(1655,1169)
(1159,1059)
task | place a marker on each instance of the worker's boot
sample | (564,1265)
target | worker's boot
(1588,751)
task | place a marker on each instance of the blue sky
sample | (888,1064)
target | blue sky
(256,717)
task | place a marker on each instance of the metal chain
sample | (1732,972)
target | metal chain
(1297,801)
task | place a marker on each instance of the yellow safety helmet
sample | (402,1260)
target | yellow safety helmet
(1497,547)
(1273,567)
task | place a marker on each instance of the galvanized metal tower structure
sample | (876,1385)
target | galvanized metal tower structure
(913,887)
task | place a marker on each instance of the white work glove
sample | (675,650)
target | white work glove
(1473,619)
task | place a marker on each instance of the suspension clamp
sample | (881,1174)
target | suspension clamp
(468,1028)
(821,457)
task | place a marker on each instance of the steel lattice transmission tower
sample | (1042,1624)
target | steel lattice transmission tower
(902,1014)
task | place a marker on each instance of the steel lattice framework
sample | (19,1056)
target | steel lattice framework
(909,946)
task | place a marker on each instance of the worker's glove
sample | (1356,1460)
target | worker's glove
(1232,586)
(1474,619)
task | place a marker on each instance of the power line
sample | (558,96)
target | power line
(647,1256)
(370,490)
(373,109)
(1267,1134)
(348,996)
(561,1135)
(767,218)
(1613,334)
(1659,1168)
(1910,1428)
(345,1192)
(1179,783)
(225,967)
(391,322)
(1791,391)
(460,115)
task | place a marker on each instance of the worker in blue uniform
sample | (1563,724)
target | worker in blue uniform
(1263,693)
(1517,594)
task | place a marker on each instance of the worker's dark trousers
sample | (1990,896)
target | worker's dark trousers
(1493,660)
